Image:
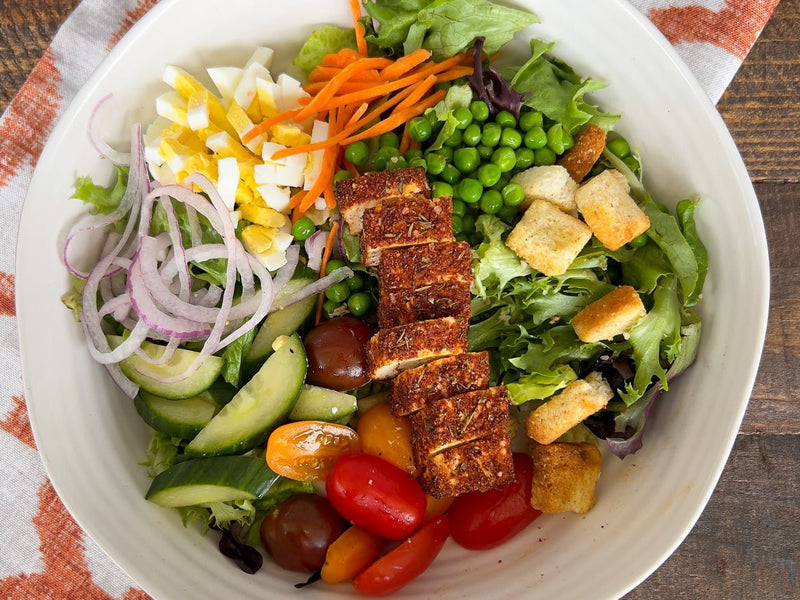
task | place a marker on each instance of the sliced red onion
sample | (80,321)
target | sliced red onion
(286,272)
(315,247)
(103,149)
(320,285)
(127,387)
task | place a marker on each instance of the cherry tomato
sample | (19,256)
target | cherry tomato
(350,554)
(307,450)
(482,520)
(409,560)
(387,436)
(336,351)
(297,533)
(376,495)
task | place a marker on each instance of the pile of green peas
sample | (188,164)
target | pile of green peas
(355,293)
(476,163)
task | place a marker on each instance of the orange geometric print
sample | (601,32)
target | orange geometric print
(24,130)
(734,28)
(66,573)
(6,294)
(131,17)
(16,423)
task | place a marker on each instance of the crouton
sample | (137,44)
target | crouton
(407,222)
(564,477)
(609,211)
(550,182)
(438,379)
(458,420)
(415,266)
(572,405)
(613,314)
(588,146)
(355,195)
(547,238)
(477,466)
(397,349)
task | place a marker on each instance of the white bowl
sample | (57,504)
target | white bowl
(92,441)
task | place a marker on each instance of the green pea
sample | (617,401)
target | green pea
(413,153)
(530,119)
(491,202)
(458,224)
(631,163)
(357,153)
(328,307)
(450,174)
(472,135)
(485,152)
(535,138)
(513,194)
(505,119)
(501,183)
(334,264)
(389,140)
(355,283)
(504,158)
(489,174)
(462,237)
(359,304)
(466,160)
(459,208)
(479,110)
(397,162)
(544,156)
(559,139)
(435,163)
(303,229)
(639,241)
(468,223)
(507,213)
(418,162)
(455,139)
(491,134)
(338,292)
(441,189)
(511,138)
(470,190)
(419,129)
(341,174)
(619,147)
(447,152)
(524,157)
(464,117)
(382,157)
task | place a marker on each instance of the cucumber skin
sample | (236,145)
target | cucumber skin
(147,405)
(222,444)
(318,404)
(247,478)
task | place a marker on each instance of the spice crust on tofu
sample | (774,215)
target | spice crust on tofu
(354,196)
(397,349)
(410,268)
(439,379)
(431,301)
(408,222)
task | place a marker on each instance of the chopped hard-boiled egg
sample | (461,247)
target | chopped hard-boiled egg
(201,131)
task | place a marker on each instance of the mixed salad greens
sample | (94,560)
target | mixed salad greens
(219,255)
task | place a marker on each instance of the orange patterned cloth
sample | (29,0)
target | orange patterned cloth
(44,553)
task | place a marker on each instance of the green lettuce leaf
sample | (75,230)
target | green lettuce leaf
(102,199)
(685,210)
(458,96)
(233,357)
(538,386)
(645,268)
(328,39)
(162,453)
(497,264)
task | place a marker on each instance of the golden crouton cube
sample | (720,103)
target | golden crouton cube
(548,182)
(613,314)
(610,212)
(588,147)
(564,477)
(547,238)
(572,405)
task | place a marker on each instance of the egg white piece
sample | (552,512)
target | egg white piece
(228,180)
(226,79)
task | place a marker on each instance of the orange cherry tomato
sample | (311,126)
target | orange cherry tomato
(307,450)
(385,435)
(350,554)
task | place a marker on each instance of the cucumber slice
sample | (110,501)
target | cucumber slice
(260,406)
(151,377)
(321,404)
(215,479)
(282,322)
(177,418)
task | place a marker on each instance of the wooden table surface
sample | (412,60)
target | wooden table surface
(746,543)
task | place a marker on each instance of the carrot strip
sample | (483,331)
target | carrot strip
(295,200)
(326,256)
(352,169)
(340,59)
(419,91)
(327,73)
(361,43)
(348,87)
(395,119)
(264,125)
(405,140)
(404,64)
(454,73)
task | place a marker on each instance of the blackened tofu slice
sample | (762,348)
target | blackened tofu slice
(399,306)
(438,379)
(451,422)
(407,222)
(477,466)
(417,266)
(354,196)
(397,349)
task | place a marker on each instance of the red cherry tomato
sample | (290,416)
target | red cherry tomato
(481,520)
(376,495)
(410,559)
(337,356)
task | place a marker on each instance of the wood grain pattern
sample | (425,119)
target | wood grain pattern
(745,542)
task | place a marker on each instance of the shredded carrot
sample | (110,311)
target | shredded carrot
(454,73)
(405,140)
(352,169)
(265,125)
(419,91)
(361,43)
(326,255)
(348,87)
(321,73)
(340,59)
(404,64)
